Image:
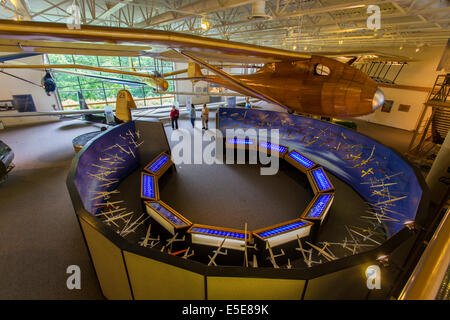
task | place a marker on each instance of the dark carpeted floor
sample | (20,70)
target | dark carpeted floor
(39,234)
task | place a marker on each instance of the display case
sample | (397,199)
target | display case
(241,143)
(273,149)
(301,162)
(318,208)
(284,232)
(167,217)
(159,165)
(319,181)
(214,236)
(149,187)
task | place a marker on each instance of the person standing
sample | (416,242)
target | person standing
(174,114)
(205,117)
(192,115)
(247,103)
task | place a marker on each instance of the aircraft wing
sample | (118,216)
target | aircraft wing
(365,56)
(160,40)
(98,40)
(15,56)
(103,78)
(233,81)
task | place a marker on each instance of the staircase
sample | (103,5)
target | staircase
(433,124)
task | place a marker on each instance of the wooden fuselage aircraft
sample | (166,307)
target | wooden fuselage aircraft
(319,86)
(296,81)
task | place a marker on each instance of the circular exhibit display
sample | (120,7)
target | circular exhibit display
(338,202)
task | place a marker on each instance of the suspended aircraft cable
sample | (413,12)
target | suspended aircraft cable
(17,77)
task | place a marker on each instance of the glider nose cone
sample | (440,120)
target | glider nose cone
(378,99)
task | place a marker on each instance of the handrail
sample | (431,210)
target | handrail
(114,102)
(427,276)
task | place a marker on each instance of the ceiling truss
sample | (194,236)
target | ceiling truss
(310,25)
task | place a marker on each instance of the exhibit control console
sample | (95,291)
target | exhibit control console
(159,165)
(307,225)
(217,236)
(149,187)
(284,232)
(167,217)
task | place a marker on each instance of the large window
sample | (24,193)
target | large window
(98,93)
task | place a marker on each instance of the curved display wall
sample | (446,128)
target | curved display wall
(375,171)
(127,270)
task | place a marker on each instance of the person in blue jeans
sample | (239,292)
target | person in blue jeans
(192,115)
(247,103)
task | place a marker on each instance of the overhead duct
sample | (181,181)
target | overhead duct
(259,11)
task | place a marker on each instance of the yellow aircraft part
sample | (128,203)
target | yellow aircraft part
(194,70)
(157,83)
(124,103)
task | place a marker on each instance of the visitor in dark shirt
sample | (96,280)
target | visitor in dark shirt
(192,115)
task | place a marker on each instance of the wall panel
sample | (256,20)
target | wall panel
(108,263)
(154,280)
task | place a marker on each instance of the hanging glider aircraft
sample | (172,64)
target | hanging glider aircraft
(298,82)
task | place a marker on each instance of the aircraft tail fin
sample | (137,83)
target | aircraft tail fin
(124,103)
(194,70)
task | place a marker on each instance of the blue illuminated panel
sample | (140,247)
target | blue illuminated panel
(241,141)
(273,147)
(148,186)
(282,229)
(319,206)
(321,179)
(167,214)
(304,161)
(219,233)
(157,164)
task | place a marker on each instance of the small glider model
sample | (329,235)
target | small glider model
(298,82)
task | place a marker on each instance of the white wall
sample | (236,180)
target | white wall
(10,86)
(421,72)
(188,86)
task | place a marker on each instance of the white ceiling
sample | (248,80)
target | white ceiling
(306,25)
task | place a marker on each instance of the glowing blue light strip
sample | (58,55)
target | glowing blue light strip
(245,141)
(274,147)
(219,233)
(321,179)
(157,164)
(304,161)
(148,186)
(278,230)
(166,213)
(319,206)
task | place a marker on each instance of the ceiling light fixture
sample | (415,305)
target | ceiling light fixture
(204,24)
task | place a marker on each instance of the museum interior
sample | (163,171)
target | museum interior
(224,150)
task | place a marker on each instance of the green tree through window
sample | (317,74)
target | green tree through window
(98,93)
